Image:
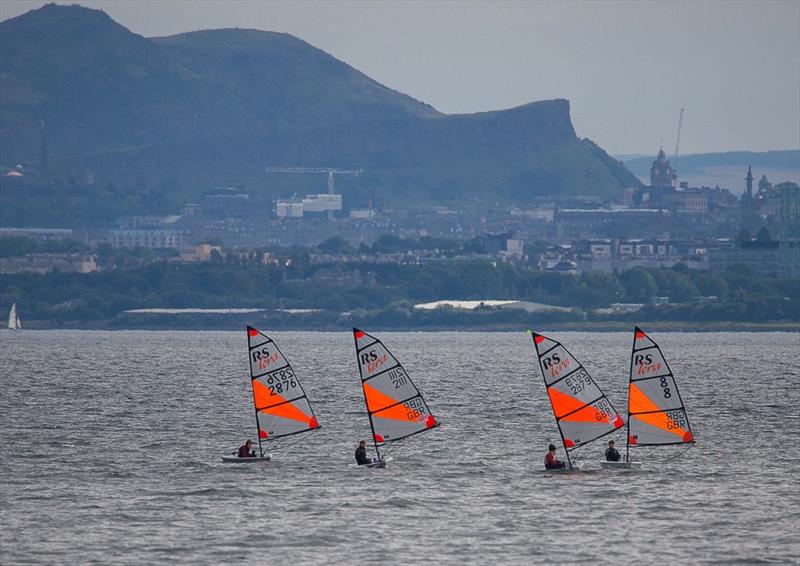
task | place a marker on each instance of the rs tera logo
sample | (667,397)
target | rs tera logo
(555,364)
(373,361)
(554,359)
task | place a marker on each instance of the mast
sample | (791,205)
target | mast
(366,403)
(255,407)
(628,419)
(564,442)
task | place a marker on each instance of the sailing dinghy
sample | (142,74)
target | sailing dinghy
(582,411)
(281,406)
(395,406)
(14,322)
(656,415)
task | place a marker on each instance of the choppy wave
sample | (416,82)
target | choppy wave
(111,446)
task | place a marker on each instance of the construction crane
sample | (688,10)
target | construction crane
(330,171)
(677,143)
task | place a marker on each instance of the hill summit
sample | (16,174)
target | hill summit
(218,106)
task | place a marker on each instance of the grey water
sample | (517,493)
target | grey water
(111,445)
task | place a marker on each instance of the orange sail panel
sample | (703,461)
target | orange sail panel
(583,412)
(281,405)
(395,406)
(656,414)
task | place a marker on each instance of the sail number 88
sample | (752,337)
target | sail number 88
(665,387)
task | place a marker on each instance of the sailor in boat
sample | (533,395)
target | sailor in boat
(245,451)
(361,453)
(612,454)
(550,461)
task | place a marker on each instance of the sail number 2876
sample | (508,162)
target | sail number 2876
(281,381)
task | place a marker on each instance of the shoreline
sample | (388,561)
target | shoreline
(616,326)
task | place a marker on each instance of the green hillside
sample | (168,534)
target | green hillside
(188,112)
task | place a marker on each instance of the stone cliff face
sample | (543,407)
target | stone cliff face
(218,106)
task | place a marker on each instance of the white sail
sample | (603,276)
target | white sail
(656,414)
(583,413)
(281,405)
(396,407)
(13,320)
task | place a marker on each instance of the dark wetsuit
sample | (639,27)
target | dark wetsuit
(245,453)
(613,455)
(552,463)
(361,456)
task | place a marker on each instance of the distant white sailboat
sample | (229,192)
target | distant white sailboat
(14,322)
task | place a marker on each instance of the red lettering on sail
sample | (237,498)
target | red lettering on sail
(648,368)
(559,367)
(264,363)
(374,365)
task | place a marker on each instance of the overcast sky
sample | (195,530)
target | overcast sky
(626,67)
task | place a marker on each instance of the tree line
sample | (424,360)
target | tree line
(389,291)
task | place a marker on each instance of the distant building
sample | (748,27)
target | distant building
(362,213)
(321,204)
(763,258)
(146,239)
(226,202)
(662,175)
(623,254)
(192,209)
(310,206)
(288,209)
(598,216)
(202,252)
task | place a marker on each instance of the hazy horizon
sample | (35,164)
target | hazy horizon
(626,68)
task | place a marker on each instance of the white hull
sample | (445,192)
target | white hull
(620,465)
(249,460)
(576,467)
(377,464)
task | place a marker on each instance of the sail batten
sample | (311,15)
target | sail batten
(582,411)
(656,413)
(280,402)
(395,406)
